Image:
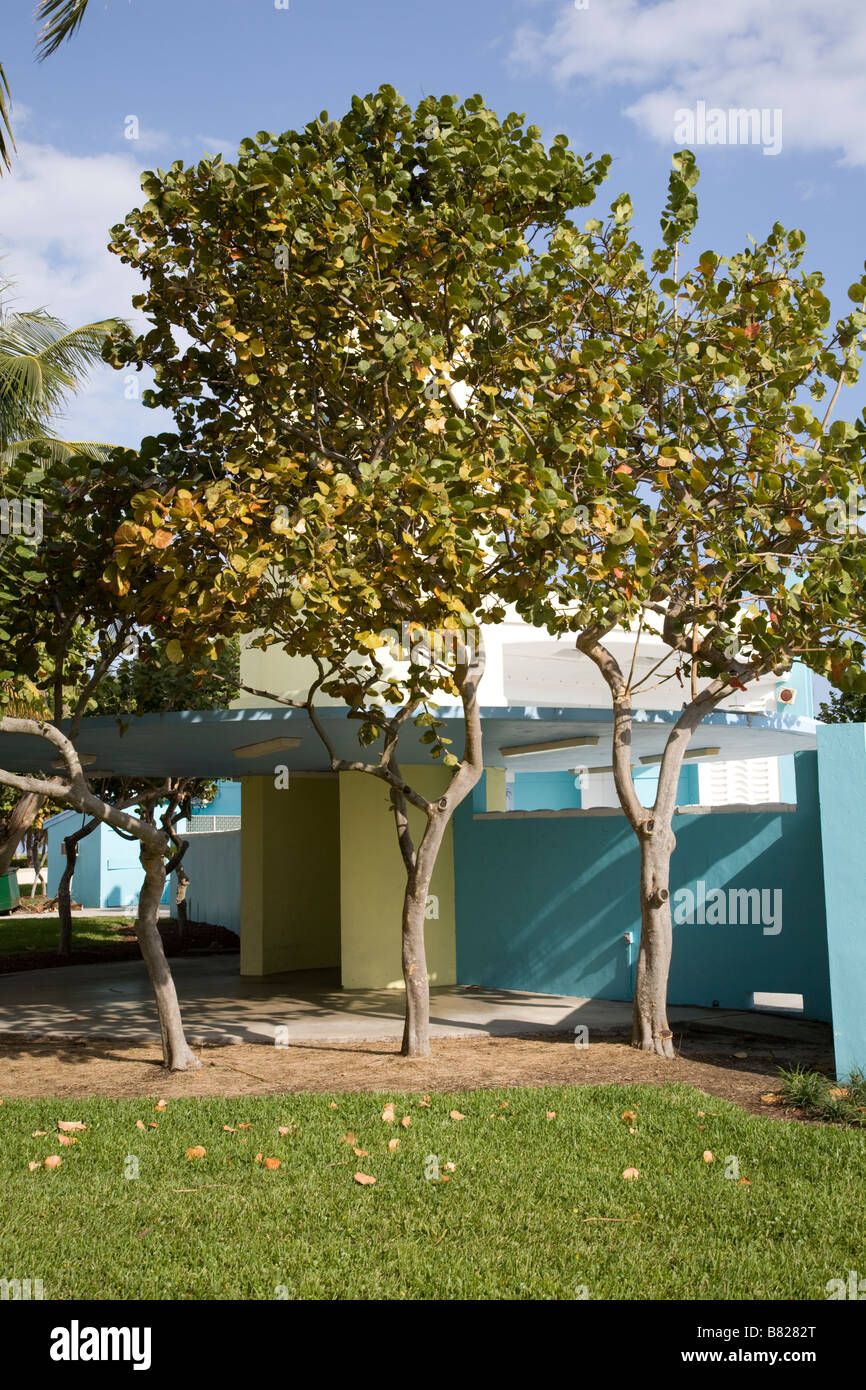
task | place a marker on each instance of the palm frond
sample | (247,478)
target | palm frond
(58,449)
(42,362)
(7,140)
(59,19)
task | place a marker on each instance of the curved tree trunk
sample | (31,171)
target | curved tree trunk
(416,1028)
(176,1052)
(650,1030)
(64,897)
(18,821)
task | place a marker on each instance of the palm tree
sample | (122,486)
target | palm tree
(42,362)
(60,19)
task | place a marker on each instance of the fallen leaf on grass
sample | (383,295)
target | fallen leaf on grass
(745,1182)
(425,1100)
(196,1151)
(39,1134)
(284,1129)
(551,1114)
(272,1163)
(360,1153)
(66,1139)
(347,1138)
(229,1129)
(154,1125)
(708,1156)
(388,1113)
(160,1105)
(628,1116)
(333,1105)
(53,1161)
(33,1165)
(246,1126)
(405,1122)
(393,1144)
(259,1158)
(69,1125)
(139,1124)
(838,1091)
(630,1174)
(364,1179)
(455,1115)
(452,1167)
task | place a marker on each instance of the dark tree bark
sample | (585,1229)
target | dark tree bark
(64,888)
(14,827)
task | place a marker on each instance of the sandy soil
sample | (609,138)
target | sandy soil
(93,1068)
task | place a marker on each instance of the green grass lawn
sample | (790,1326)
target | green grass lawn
(26,934)
(518,1217)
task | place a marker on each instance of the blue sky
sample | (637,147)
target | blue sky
(202,74)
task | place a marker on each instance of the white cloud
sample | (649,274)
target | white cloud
(57,212)
(805,58)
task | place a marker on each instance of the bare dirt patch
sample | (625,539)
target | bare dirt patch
(93,1068)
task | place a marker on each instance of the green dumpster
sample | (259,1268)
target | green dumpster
(9,895)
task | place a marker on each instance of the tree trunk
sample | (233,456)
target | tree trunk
(180,904)
(176,1053)
(650,1030)
(416,1029)
(64,897)
(13,828)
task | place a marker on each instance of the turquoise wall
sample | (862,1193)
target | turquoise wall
(555,791)
(545,791)
(842,780)
(108,871)
(646,781)
(543,903)
(227,801)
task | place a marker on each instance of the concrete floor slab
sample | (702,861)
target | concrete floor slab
(114,1000)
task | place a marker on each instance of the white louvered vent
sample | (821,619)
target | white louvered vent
(749,781)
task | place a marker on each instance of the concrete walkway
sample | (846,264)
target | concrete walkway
(115,1001)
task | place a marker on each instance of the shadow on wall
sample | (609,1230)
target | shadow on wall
(544,903)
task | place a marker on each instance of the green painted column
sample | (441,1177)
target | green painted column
(290,875)
(372,880)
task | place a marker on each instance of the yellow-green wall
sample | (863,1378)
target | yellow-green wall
(372,879)
(290,875)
